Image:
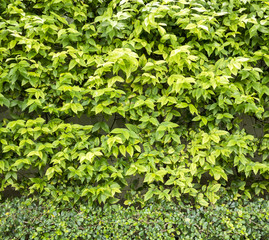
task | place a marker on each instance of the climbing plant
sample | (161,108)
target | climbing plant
(166,85)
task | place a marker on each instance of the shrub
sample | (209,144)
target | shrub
(28,219)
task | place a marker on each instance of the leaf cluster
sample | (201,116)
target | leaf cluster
(165,86)
(31,219)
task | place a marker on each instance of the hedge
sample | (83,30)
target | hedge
(164,85)
(28,219)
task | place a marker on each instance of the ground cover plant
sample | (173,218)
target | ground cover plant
(165,85)
(30,219)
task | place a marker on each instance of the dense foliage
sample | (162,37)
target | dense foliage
(27,219)
(175,77)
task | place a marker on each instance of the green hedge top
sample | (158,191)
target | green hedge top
(180,76)
(28,219)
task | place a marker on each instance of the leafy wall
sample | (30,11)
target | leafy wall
(165,86)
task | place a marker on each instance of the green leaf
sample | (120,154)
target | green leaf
(139,103)
(131,171)
(193,168)
(154,121)
(159,134)
(115,151)
(130,150)
(149,194)
(122,150)
(193,109)
(50,172)
(191,26)
(72,64)
(99,108)
(201,200)
(141,168)
(123,131)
